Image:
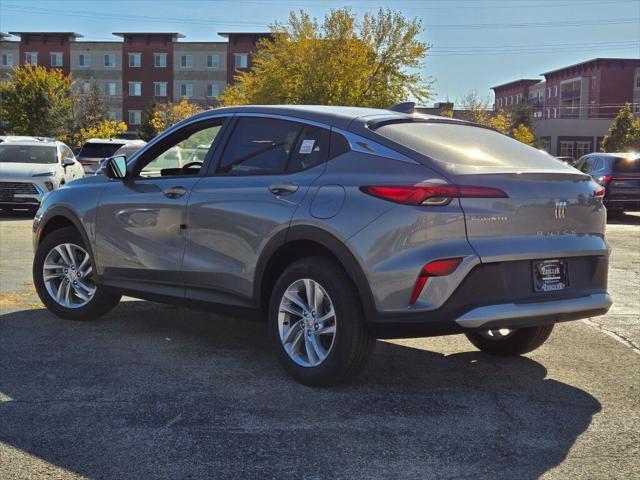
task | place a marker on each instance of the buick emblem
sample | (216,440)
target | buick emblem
(561,210)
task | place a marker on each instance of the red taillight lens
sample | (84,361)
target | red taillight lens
(438,268)
(604,180)
(599,192)
(431,194)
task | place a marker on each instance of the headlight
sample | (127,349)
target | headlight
(45,174)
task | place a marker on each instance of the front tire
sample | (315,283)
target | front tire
(317,325)
(507,343)
(64,277)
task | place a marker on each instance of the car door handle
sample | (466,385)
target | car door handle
(280,188)
(174,192)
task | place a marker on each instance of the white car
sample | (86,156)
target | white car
(31,167)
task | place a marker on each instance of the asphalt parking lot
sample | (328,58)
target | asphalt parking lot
(154,391)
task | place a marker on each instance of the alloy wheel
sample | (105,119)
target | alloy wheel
(307,322)
(68,275)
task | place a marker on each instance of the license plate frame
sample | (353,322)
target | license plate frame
(550,275)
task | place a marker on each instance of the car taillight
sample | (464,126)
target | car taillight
(604,180)
(599,192)
(430,194)
(437,268)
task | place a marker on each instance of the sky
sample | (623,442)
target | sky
(475,44)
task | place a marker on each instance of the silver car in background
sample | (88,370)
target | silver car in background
(340,225)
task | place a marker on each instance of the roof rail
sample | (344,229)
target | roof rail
(403,107)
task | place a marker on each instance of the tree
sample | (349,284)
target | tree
(624,132)
(337,62)
(477,108)
(92,110)
(158,117)
(103,129)
(521,115)
(501,121)
(523,134)
(36,101)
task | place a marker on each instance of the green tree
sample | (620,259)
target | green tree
(340,61)
(146,130)
(91,109)
(36,101)
(624,132)
(521,115)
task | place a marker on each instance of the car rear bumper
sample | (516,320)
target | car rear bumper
(501,295)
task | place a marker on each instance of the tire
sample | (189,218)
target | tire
(351,344)
(73,307)
(518,342)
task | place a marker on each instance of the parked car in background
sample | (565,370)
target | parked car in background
(341,225)
(619,174)
(130,148)
(95,150)
(31,167)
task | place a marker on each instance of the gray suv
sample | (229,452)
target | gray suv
(340,225)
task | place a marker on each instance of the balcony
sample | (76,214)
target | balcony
(570,95)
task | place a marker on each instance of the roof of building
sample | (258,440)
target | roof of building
(4,35)
(227,34)
(51,34)
(594,61)
(513,83)
(173,34)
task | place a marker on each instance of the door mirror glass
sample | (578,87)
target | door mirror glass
(116,167)
(68,162)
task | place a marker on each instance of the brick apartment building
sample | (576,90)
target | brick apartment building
(137,69)
(573,106)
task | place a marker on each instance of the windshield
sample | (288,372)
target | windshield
(626,165)
(469,149)
(99,150)
(28,154)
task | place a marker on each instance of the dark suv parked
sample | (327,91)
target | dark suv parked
(619,174)
(341,225)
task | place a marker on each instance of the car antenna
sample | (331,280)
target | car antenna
(403,107)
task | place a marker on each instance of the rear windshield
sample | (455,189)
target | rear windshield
(468,149)
(28,154)
(626,165)
(99,150)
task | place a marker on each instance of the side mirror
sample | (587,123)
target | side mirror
(68,162)
(115,167)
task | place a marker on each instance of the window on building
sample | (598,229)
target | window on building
(84,60)
(555,112)
(592,106)
(582,148)
(593,82)
(213,90)
(186,90)
(186,61)
(160,89)
(511,99)
(241,60)
(555,91)
(112,115)
(31,58)
(213,61)
(110,88)
(56,59)
(548,92)
(110,60)
(566,149)
(545,143)
(636,108)
(135,60)
(160,60)
(85,88)
(638,81)
(7,59)
(135,117)
(135,89)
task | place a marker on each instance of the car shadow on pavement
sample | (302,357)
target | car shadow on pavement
(156,391)
(624,218)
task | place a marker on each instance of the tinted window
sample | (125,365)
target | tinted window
(99,150)
(311,149)
(339,145)
(468,149)
(626,165)
(259,146)
(28,154)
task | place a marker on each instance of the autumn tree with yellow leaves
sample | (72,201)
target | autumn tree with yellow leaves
(342,60)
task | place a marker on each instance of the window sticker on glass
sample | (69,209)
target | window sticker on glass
(307,146)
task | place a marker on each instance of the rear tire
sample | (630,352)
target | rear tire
(518,342)
(92,300)
(318,352)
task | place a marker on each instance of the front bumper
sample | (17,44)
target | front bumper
(21,195)
(501,295)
